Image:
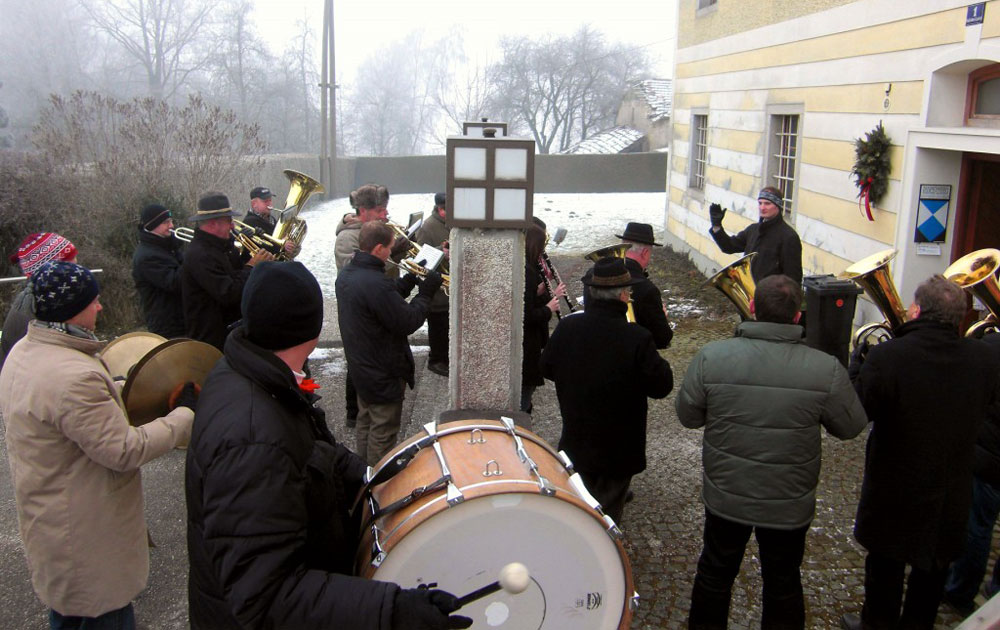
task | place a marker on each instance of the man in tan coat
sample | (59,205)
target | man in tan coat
(75,459)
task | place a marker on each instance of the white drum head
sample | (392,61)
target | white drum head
(577,575)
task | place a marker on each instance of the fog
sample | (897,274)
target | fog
(407,72)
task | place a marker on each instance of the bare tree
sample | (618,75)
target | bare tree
(463,91)
(391,109)
(161,35)
(562,89)
(242,63)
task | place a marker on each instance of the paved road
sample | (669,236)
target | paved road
(662,526)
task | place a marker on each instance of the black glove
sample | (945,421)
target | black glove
(188,396)
(432,282)
(858,356)
(426,609)
(405,283)
(715,214)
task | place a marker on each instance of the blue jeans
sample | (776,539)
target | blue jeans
(967,571)
(121,619)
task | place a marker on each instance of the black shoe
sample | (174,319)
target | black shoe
(438,368)
(850,621)
(351,422)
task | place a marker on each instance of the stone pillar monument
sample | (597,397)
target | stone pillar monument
(490,193)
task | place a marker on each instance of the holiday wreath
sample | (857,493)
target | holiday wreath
(872,167)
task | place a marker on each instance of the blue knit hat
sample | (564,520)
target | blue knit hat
(62,290)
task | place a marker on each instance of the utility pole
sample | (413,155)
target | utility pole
(328,105)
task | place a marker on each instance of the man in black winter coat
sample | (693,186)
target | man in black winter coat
(212,278)
(156,269)
(270,540)
(259,217)
(647,302)
(375,321)
(778,247)
(966,573)
(926,393)
(604,409)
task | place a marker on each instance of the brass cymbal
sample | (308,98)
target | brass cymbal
(160,371)
(123,352)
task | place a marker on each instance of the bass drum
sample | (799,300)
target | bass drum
(511,498)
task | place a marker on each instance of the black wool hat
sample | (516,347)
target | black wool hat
(609,273)
(282,305)
(62,290)
(440,199)
(213,205)
(261,192)
(639,233)
(152,216)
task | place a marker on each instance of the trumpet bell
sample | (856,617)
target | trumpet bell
(976,272)
(873,275)
(614,251)
(736,283)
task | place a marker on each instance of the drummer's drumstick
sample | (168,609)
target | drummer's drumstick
(514,578)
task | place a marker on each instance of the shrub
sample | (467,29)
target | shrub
(99,160)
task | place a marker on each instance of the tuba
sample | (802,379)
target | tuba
(736,283)
(976,272)
(614,251)
(872,274)
(290,226)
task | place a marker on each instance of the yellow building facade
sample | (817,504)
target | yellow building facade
(775,93)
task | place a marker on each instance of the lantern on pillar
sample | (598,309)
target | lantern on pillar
(491,182)
(479,129)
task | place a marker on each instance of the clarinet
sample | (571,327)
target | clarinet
(546,264)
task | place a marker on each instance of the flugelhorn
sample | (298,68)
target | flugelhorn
(872,274)
(409,265)
(976,272)
(615,251)
(736,283)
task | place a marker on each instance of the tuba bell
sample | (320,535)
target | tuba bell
(614,251)
(872,274)
(976,272)
(736,283)
(290,226)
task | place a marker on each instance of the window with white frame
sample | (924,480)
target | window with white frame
(783,157)
(704,4)
(699,150)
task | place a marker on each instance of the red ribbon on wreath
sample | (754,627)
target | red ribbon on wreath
(865,195)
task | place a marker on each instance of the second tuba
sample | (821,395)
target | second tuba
(976,272)
(872,274)
(736,283)
(614,251)
(290,226)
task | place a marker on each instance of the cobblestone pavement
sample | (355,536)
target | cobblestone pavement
(662,525)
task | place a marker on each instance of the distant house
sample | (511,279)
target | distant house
(775,93)
(642,124)
(647,107)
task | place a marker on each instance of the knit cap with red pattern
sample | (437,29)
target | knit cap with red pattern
(41,247)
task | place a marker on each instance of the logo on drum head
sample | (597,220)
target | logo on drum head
(591,602)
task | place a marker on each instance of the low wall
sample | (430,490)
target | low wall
(626,172)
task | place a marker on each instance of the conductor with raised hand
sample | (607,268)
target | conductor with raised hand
(271,542)
(778,248)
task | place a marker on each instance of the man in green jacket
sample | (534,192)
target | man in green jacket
(762,398)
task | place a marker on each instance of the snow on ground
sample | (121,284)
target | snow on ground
(591,221)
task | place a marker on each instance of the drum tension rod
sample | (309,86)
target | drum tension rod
(453,494)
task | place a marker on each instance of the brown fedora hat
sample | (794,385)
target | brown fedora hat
(609,273)
(213,206)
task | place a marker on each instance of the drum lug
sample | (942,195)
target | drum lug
(566,462)
(613,529)
(546,487)
(477,440)
(633,604)
(454,494)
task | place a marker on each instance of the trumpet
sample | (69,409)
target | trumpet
(252,240)
(183,234)
(409,265)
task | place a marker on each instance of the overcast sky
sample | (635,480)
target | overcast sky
(362,25)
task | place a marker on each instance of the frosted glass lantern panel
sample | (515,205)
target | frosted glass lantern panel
(470,204)
(470,163)
(474,132)
(512,164)
(509,204)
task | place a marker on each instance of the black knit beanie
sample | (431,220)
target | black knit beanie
(282,305)
(62,290)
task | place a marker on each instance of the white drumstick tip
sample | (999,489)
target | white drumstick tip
(514,578)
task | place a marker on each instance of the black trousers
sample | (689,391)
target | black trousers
(781,553)
(884,595)
(350,396)
(609,490)
(437,337)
